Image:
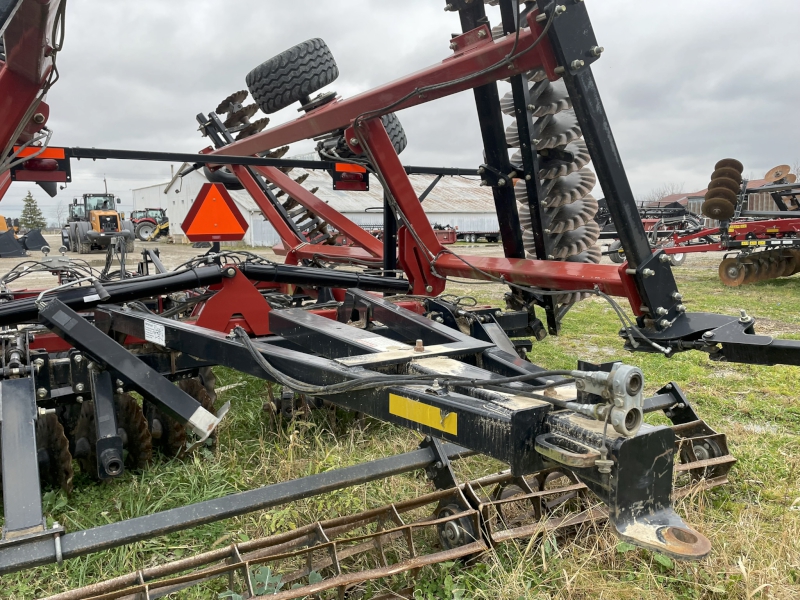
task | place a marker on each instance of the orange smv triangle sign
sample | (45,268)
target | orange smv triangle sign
(214,216)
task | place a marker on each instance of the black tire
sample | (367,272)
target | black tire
(144,230)
(223,176)
(616,256)
(396,132)
(129,247)
(292,75)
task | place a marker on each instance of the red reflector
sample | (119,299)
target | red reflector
(40,164)
(351,177)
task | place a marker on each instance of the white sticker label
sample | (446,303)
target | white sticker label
(91,298)
(154,332)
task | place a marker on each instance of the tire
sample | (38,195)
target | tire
(144,230)
(83,243)
(223,176)
(676,260)
(396,132)
(84,248)
(129,246)
(616,256)
(473,238)
(292,75)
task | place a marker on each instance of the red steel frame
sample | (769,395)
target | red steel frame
(737,232)
(426,262)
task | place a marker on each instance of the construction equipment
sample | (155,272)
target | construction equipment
(94,223)
(150,224)
(420,362)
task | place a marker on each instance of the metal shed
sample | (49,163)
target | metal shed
(455,201)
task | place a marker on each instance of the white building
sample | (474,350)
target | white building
(455,201)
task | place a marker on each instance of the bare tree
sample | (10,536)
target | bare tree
(61,214)
(796,168)
(659,193)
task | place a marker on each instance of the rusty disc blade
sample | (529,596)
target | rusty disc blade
(241,115)
(731,163)
(721,192)
(726,183)
(727,172)
(777,173)
(732,272)
(234,98)
(717,208)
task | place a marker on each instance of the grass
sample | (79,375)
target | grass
(753,523)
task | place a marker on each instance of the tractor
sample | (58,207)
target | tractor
(150,223)
(94,223)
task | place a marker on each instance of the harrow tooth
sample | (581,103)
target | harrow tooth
(576,241)
(241,116)
(578,149)
(573,215)
(302,177)
(234,98)
(252,128)
(552,131)
(277,153)
(55,460)
(550,99)
(729,163)
(566,190)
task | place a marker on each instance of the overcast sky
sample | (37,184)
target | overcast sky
(684,82)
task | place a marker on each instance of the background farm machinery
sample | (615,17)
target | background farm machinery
(377,337)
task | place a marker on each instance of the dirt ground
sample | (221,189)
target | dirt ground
(173,255)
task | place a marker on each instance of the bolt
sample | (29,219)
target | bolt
(41,392)
(119,383)
(498,313)
(661,311)
(38,118)
(577,64)
(511,67)
(439,320)
(604,466)
(559,70)
(663,323)
(78,358)
(596,50)
(419,346)
(580,384)
(79,399)
(547,231)
(481,170)
(744,318)
(680,308)
(536,142)
(46,411)
(448,8)
(528,177)
(550,257)
(438,465)
(708,335)
(668,386)
(230,272)
(501,183)
(120,390)
(453,46)
(39,362)
(484,182)
(677,296)
(78,387)
(354,141)
(540,18)
(531,107)
(664,258)
(648,272)
(560,9)
(429,288)
(482,33)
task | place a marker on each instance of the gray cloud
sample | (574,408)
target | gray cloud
(684,82)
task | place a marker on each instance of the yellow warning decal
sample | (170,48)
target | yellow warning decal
(424,414)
